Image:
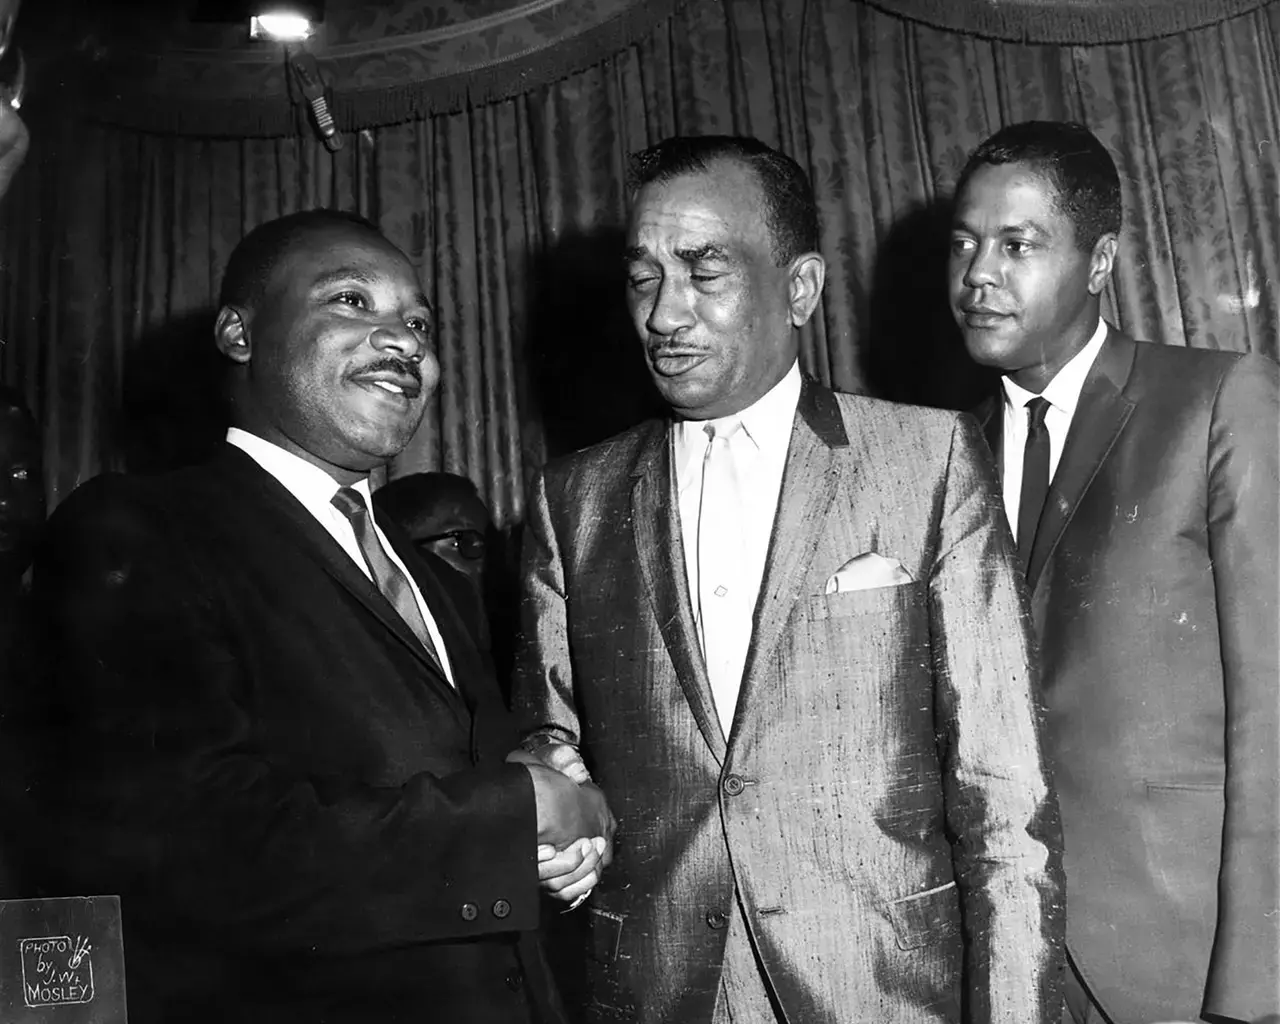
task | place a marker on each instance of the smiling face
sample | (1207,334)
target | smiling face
(335,357)
(1023,291)
(716,315)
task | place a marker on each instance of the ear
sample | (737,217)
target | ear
(808,273)
(1101,262)
(231,335)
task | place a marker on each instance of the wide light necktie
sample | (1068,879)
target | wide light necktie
(724,601)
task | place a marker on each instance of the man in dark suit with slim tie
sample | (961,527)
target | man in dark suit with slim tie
(278,736)
(1141,480)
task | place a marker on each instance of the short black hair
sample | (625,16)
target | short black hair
(253,260)
(1078,166)
(408,499)
(790,210)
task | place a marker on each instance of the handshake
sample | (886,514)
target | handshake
(575,825)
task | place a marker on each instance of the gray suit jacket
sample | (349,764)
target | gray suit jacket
(880,804)
(1155,590)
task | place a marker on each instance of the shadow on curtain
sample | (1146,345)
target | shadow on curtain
(512,210)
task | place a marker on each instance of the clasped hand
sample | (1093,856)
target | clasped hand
(575,826)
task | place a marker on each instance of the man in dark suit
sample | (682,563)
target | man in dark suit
(783,630)
(1141,481)
(280,740)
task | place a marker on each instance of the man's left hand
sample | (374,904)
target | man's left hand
(573,872)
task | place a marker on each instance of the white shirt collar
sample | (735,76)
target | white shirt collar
(1063,392)
(767,421)
(307,482)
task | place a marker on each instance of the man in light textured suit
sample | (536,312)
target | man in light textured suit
(1154,590)
(784,632)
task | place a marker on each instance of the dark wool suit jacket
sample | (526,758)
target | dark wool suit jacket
(304,820)
(880,802)
(1154,593)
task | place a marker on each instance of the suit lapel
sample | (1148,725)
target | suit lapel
(810,481)
(459,643)
(660,554)
(991,419)
(1100,415)
(295,525)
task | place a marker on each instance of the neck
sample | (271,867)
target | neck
(1036,377)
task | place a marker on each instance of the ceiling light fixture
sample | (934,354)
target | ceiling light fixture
(280,26)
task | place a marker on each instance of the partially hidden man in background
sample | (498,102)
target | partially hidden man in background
(281,743)
(784,630)
(1141,480)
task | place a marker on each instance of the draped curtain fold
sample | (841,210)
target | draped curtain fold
(113,240)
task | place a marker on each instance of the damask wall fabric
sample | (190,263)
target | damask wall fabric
(114,240)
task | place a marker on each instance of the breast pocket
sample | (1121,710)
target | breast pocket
(874,601)
(925,917)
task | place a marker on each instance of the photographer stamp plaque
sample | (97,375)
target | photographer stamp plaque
(62,961)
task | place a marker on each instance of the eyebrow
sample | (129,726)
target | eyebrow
(1027,227)
(361,276)
(690,254)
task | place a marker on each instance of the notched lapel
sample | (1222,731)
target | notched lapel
(810,481)
(659,552)
(1099,418)
(990,416)
(297,526)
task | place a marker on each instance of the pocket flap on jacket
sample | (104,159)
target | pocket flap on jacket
(925,917)
(606,934)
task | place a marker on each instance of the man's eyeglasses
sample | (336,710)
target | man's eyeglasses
(468,543)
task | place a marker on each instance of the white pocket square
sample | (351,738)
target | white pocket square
(866,572)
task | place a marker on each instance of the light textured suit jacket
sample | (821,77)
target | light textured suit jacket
(1155,589)
(881,803)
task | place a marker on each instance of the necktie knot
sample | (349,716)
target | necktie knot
(1037,408)
(350,502)
(726,432)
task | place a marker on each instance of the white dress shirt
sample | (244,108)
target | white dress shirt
(767,427)
(1063,394)
(315,489)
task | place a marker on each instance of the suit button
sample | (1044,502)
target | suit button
(514,981)
(733,784)
(469,911)
(717,918)
(501,909)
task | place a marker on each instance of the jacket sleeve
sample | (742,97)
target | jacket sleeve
(542,693)
(164,783)
(1001,808)
(1244,970)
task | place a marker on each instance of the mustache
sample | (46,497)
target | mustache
(390,364)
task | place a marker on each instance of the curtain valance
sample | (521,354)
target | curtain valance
(1069,22)
(383,63)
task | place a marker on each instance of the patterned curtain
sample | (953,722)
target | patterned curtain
(113,240)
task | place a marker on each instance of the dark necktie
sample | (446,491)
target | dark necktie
(393,583)
(1035,478)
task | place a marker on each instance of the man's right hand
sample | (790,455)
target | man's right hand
(568,811)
